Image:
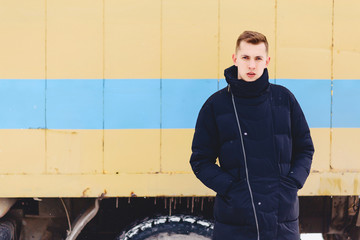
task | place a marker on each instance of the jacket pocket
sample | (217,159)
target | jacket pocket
(235,207)
(288,230)
(288,200)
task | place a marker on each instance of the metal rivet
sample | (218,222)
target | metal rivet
(259,203)
(245,133)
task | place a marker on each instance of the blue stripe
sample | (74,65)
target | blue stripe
(74,104)
(152,103)
(22,104)
(346,107)
(132,104)
(182,100)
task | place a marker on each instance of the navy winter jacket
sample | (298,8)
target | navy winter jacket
(260,170)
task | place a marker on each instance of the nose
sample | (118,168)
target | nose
(252,64)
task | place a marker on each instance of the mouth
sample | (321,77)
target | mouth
(251,74)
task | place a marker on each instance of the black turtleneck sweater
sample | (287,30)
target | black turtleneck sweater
(245,89)
(254,111)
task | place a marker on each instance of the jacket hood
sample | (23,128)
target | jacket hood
(241,88)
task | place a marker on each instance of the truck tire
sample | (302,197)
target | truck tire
(7,230)
(170,228)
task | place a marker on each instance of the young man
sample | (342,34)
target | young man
(260,135)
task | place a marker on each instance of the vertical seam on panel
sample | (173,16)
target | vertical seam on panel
(332,83)
(45,68)
(103,92)
(218,50)
(161,78)
(275,48)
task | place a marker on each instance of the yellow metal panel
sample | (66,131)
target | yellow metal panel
(346,39)
(304,33)
(122,185)
(132,39)
(22,42)
(132,151)
(345,149)
(237,16)
(150,185)
(22,151)
(176,150)
(190,39)
(321,140)
(75,39)
(334,183)
(74,151)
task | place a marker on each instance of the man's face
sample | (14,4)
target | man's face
(251,60)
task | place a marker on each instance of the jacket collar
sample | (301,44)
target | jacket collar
(243,89)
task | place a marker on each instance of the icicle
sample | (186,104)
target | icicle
(117,203)
(202,204)
(170,202)
(193,203)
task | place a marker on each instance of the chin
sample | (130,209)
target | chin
(250,79)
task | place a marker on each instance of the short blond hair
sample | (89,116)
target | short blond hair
(253,38)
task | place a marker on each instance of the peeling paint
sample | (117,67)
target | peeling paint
(85,192)
(330,186)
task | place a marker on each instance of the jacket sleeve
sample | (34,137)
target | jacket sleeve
(205,150)
(302,145)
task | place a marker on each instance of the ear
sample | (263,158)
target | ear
(267,61)
(234,59)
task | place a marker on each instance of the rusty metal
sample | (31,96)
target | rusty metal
(67,214)
(338,215)
(84,219)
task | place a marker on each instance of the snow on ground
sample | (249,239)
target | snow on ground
(311,236)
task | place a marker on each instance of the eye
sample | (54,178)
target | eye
(259,58)
(245,57)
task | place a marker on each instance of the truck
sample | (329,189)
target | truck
(99,100)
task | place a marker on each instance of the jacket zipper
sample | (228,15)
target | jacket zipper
(246,168)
